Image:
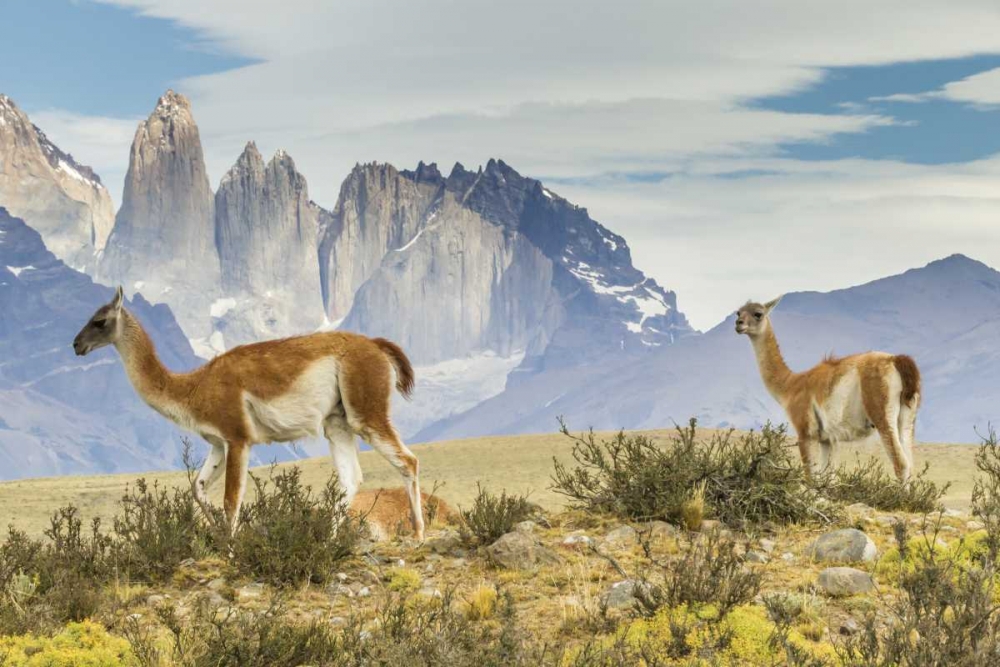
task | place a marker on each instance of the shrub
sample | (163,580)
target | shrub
(85,644)
(709,571)
(748,478)
(156,530)
(493,516)
(986,494)
(287,535)
(873,486)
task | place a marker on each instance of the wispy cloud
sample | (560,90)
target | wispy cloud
(981,91)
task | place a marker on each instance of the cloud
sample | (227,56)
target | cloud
(795,226)
(981,91)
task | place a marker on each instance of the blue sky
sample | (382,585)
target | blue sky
(697,131)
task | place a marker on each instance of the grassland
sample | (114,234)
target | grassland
(520,463)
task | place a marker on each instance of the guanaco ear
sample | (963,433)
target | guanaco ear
(116,302)
(769,306)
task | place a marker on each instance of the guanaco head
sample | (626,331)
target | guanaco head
(752,318)
(104,327)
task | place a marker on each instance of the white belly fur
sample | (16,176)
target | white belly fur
(843,413)
(298,413)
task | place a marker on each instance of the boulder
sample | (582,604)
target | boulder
(848,545)
(844,581)
(518,550)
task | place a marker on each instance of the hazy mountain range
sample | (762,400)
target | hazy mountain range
(512,302)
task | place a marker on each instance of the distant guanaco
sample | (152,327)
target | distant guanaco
(839,400)
(335,383)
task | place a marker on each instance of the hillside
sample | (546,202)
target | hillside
(944,314)
(521,464)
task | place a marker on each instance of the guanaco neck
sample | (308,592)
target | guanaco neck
(151,379)
(773,369)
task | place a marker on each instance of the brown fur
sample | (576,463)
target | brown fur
(386,510)
(404,371)
(911,376)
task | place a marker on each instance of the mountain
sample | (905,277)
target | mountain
(946,315)
(485,260)
(480,275)
(266,232)
(60,413)
(65,200)
(163,239)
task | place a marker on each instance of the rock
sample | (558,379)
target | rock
(249,592)
(445,542)
(266,228)
(788,557)
(953,513)
(620,537)
(166,218)
(217,584)
(577,539)
(154,600)
(843,546)
(518,551)
(340,589)
(659,529)
(975,525)
(364,592)
(757,557)
(63,200)
(526,527)
(849,627)
(844,581)
(429,591)
(622,595)
(341,577)
(766,545)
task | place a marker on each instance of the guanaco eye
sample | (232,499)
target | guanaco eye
(100,323)
(758,315)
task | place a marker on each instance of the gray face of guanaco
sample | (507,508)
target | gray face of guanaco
(102,329)
(752,317)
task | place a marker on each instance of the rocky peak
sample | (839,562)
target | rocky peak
(164,233)
(266,233)
(63,199)
(425,173)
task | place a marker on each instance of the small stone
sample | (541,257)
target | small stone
(249,592)
(975,525)
(622,595)
(154,600)
(848,545)
(622,536)
(430,592)
(849,627)
(400,563)
(577,539)
(953,513)
(518,551)
(187,562)
(788,557)
(338,621)
(525,527)
(445,542)
(364,592)
(217,584)
(757,557)
(767,546)
(659,529)
(341,577)
(844,581)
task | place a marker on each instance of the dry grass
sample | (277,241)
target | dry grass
(521,464)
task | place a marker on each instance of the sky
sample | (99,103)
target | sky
(743,149)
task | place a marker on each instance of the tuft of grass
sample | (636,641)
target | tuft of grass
(492,516)
(403,580)
(288,535)
(873,486)
(748,479)
(693,509)
(481,604)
